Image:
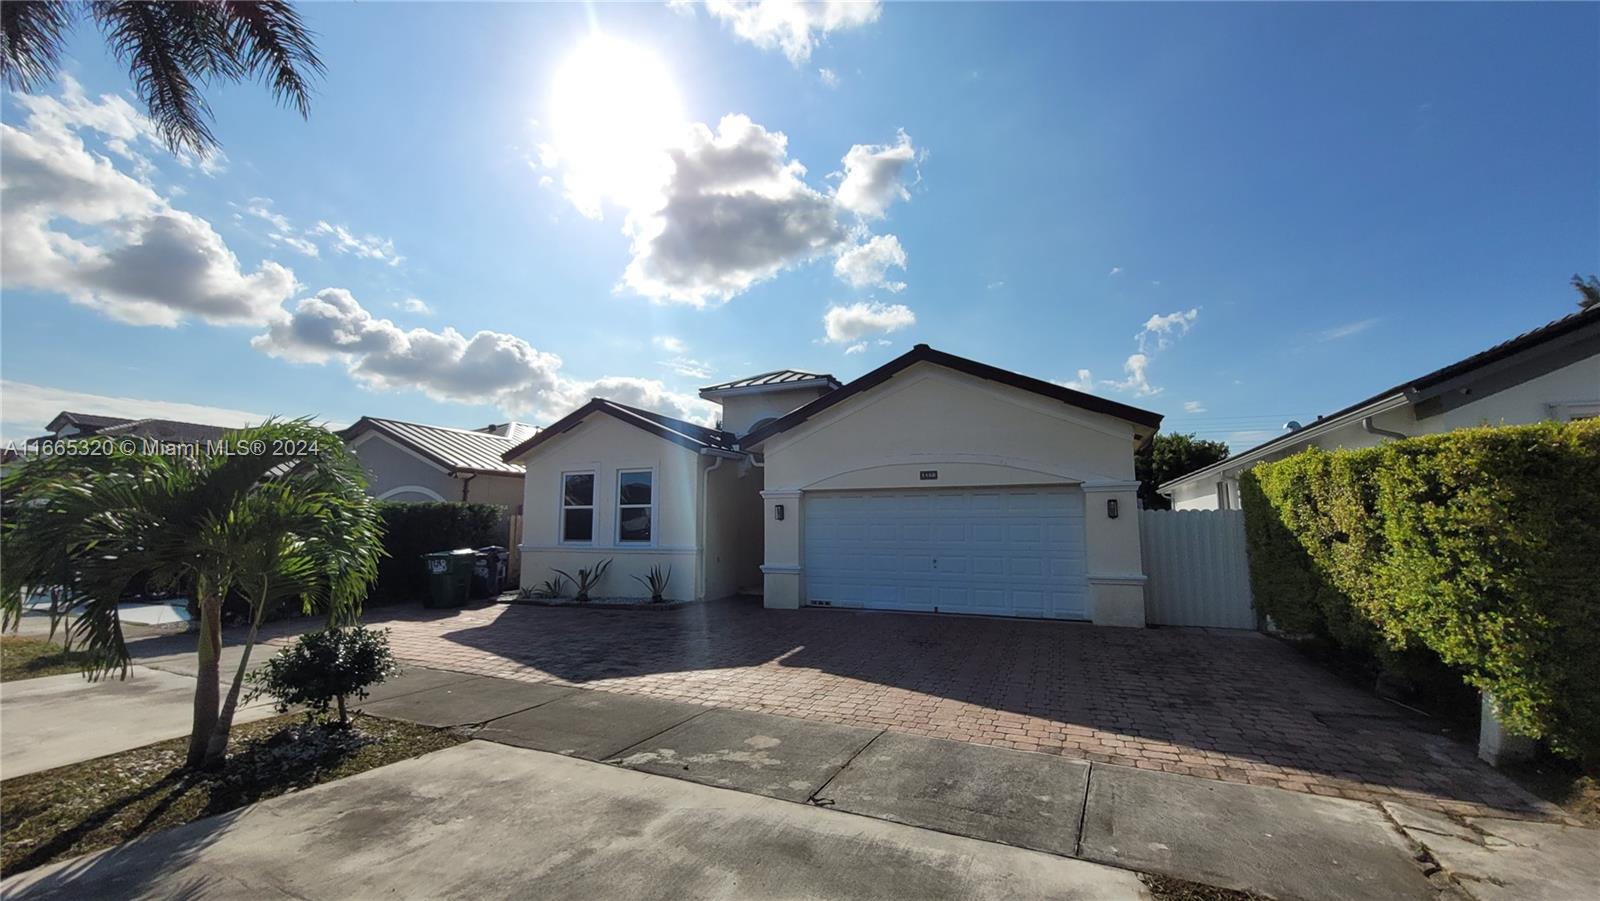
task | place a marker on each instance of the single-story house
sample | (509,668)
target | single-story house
(933,483)
(412,462)
(1552,372)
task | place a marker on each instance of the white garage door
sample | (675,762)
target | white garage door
(997,551)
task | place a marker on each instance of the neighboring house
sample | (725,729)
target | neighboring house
(932,483)
(1552,372)
(78,425)
(408,461)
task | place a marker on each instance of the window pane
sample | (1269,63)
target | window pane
(635,488)
(579,490)
(577,525)
(635,523)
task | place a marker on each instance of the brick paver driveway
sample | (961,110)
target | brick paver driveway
(1239,707)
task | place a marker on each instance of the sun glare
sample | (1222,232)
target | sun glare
(614,108)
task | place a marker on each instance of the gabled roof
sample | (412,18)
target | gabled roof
(165,430)
(688,434)
(83,420)
(922,353)
(778,378)
(1417,389)
(459,450)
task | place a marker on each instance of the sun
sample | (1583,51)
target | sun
(614,109)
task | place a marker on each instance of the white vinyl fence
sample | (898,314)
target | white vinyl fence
(1197,571)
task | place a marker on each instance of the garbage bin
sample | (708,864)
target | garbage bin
(489,571)
(449,576)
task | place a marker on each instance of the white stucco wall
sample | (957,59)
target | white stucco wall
(733,539)
(975,433)
(603,445)
(741,412)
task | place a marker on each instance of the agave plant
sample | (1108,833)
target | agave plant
(656,582)
(586,579)
(547,590)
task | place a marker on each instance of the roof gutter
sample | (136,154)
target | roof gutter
(1322,426)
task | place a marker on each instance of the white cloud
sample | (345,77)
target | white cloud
(74,224)
(488,367)
(694,369)
(849,324)
(736,213)
(874,176)
(867,265)
(1136,381)
(1083,382)
(1193,406)
(856,348)
(416,305)
(670,344)
(369,247)
(1163,330)
(829,77)
(1115,270)
(794,26)
(1348,329)
(25,408)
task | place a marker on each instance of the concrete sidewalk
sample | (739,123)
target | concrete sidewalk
(482,820)
(1280,843)
(56,720)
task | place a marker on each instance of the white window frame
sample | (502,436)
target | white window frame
(593,507)
(617,532)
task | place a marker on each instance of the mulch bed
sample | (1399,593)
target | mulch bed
(83,807)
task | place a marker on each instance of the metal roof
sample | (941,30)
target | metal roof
(462,450)
(776,377)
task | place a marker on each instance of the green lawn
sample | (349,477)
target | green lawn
(82,807)
(24,657)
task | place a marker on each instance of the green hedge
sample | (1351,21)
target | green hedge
(411,530)
(1479,546)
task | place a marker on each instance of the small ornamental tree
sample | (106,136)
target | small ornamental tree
(325,668)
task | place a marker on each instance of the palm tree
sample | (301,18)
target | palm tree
(170,49)
(274,512)
(1588,291)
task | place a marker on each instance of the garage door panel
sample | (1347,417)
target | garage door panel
(918,550)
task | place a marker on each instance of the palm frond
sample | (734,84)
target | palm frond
(271,42)
(31,37)
(158,43)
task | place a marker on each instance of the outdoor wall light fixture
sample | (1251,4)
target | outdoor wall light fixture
(777,512)
(1111,508)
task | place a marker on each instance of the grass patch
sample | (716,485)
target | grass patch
(83,807)
(25,657)
(1165,888)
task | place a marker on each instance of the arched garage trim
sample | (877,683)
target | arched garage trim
(1029,472)
(411,489)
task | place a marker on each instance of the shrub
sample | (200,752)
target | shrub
(656,584)
(586,580)
(1477,545)
(325,668)
(411,530)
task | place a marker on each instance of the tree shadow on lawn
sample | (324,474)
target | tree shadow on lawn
(156,814)
(1240,694)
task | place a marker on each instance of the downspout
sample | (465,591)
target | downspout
(1369,428)
(700,524)
(466,484)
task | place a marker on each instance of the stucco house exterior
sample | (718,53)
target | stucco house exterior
(933,483)
(1551,372)
(412,462)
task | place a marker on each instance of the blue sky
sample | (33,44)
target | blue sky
(1233,215)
